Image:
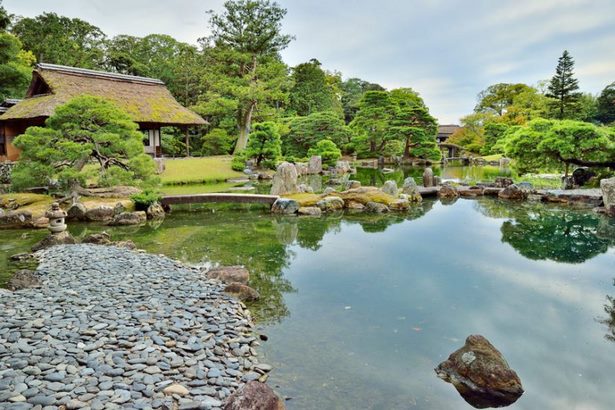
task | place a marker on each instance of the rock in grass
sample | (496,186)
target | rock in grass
(481,375)
(254,396)
(23,279)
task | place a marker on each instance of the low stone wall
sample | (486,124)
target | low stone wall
(6,168)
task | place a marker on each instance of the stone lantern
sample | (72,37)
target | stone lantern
(56,218)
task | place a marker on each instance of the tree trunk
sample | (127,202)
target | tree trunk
(244,129)
(407,148)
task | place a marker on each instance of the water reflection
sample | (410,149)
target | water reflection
(609,309)
(559,234)
(466,174)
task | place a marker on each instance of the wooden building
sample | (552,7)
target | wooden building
(146,100)
(445,131)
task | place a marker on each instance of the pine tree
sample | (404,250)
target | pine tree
(563,87)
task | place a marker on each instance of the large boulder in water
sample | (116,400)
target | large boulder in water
(254,396)
(513,192)
(285,206)
(229,274)
(608,195)
(390,187)
(129,218)
(448,192)
(285,180)
(481,375)
(428,179)
(62,238)
(330,204)
(242,292)
(410,189)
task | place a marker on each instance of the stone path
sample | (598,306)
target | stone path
(113,328)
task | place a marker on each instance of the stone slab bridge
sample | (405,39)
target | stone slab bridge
(169,200)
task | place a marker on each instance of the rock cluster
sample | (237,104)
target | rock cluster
(111,328)
(481,375)
(608,195)
(285,179)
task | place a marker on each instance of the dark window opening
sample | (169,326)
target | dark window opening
(2,143)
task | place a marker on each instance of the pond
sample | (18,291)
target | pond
(360,309)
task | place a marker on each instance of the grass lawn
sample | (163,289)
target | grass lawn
(198,170)
(494,157)
(187,189)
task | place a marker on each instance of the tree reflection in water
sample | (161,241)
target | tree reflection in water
(541,232)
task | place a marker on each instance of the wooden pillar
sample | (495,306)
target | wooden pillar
(187,141)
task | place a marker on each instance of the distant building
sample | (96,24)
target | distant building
(445,131)
(146,100)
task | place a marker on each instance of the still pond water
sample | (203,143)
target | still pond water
(360,309)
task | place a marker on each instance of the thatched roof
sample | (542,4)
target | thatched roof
(448,128)
(146,100)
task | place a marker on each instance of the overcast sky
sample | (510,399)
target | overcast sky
(447,50)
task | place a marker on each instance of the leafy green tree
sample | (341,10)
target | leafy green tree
(178,65)
(312,91)
(549,144)
(265,144)
(494,132)
(216,142)
(498,97)
(472,134)
(413,125)
(527,105)
(371,124)
(5,18)
(305,132)
(62,40)
(563,88)
(328,151)
(249,35)
(606,105)
(352,92)
(15,67)
(85,130)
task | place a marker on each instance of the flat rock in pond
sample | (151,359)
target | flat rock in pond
(230,274)
(242,292)
(481,375)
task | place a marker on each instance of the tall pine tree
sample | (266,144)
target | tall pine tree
(563,88)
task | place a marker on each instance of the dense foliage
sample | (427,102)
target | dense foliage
(327,150)
(553,144)
(306,132)
(563,88)
(265,145)
(86,138)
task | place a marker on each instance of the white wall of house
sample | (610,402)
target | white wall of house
(151,140)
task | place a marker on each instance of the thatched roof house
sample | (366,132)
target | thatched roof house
(444,131)
(146,100)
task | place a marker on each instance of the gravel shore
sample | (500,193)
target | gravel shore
(113,328)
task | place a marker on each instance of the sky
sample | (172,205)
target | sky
(447,50)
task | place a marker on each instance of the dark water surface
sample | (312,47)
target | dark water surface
(360,309)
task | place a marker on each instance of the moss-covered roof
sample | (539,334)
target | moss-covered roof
(145,100)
